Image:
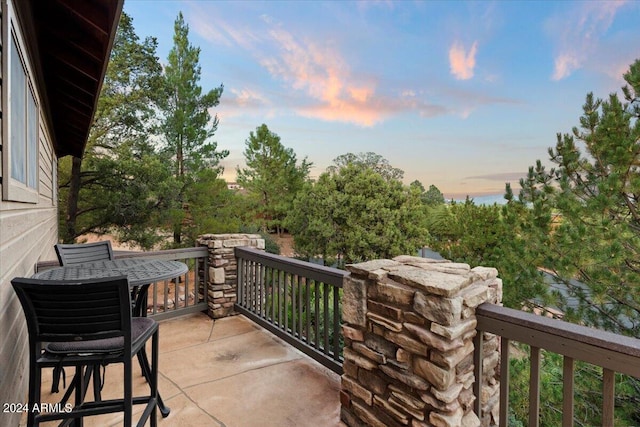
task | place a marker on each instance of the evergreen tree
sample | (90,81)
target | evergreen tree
(353,213)
(585,226)
(188,126)
(272,177)
(592,194)
(369,160)
(120,184)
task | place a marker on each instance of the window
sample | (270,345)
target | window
(20,171)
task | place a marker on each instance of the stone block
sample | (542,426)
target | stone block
(395,293)
(407,400)
(433,402)
(384,322)
(354,301)
(395,402)
(359,360)
(409,344)
(345,399)
(413,317)
(381,345)
(385,310)
(220,262)
(449,395)
(365,414)
(470,419)
(485,273)
(446,311)
(387,408)
(357,390)
(353,334)
(372,380)
(349,418)
(368,353)
(456,331)
(350,368)
(439,377)
(447,419)
(407,378)
(451,359)
(473,296)
(433,282)
(364,268)
(403,356)
(432,340)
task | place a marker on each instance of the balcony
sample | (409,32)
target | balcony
(230,372)
(410,337)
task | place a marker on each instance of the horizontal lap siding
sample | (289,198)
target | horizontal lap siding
(27,234)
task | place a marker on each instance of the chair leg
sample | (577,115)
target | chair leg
(79,380)
(34,393)
(154,379)
(128,393)
(146,371)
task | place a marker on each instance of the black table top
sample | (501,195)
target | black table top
(139,271)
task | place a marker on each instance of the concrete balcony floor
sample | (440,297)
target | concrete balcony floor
(228,373)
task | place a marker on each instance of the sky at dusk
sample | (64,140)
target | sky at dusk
(462,95)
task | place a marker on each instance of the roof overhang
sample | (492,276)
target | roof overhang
(69,43)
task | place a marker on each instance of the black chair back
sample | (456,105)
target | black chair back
(70,254)
(75,310)
(85,324)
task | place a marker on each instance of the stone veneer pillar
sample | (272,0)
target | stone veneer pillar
(409,325)
(223,268)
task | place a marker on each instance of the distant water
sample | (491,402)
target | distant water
(487,200)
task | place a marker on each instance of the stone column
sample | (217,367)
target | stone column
(222,284)
(409,325)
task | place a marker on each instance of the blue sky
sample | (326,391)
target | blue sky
(463,95)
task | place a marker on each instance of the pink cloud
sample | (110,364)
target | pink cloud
(321,72)
(461,62)
(579,33)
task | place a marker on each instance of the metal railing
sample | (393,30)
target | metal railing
(296,300)
(175,297)
(614,353)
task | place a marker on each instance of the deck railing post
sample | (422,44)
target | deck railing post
(409,325)
(222,287)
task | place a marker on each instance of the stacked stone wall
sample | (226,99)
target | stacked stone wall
(222,284)
(409,325)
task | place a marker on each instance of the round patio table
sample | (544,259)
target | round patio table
(140,272)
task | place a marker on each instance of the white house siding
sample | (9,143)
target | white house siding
(28,232)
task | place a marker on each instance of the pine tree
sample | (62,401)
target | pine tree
(120,184)
(272,177)
(188,126)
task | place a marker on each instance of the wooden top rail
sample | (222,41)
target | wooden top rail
(167,255)
(601,348)
(329,275)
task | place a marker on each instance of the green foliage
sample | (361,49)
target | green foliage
(593,189)
(584,227)
(121,182)
(188,126)
(355,214)
(368,160)
(587,388)
(272,177)
(270,244)
(211,208)
(294,304)
(489,236)
(431,197)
